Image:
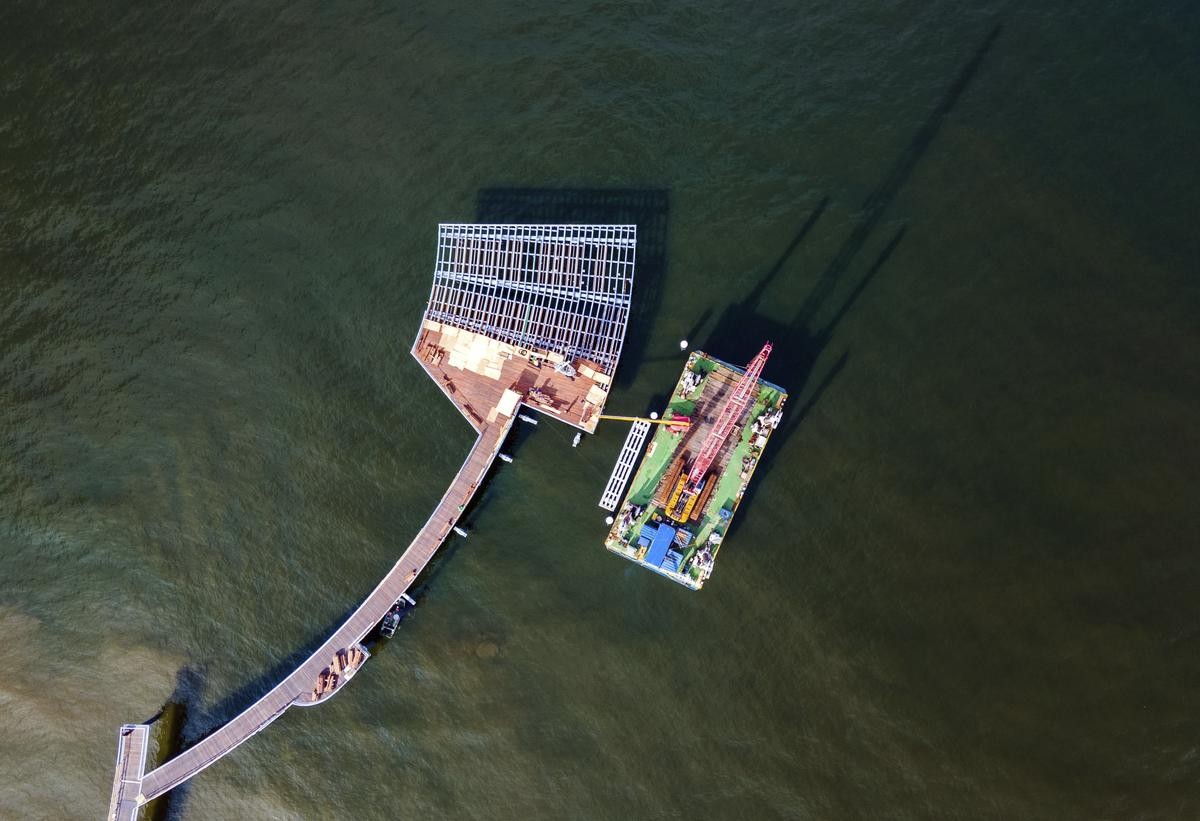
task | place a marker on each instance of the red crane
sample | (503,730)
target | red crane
(730,413)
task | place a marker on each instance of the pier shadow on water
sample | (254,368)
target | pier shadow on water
(801,341)
(647,208)
(170,728)
(450,546)
(202,722)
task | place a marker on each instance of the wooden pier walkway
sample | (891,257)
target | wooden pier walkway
(481,400)
(133,740)
(518,315)
(129,793)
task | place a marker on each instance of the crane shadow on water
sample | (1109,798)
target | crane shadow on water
(800,342)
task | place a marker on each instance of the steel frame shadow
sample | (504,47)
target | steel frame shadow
(647,208)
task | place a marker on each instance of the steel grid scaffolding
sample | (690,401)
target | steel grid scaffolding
(560,288)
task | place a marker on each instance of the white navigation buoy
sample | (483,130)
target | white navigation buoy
(608,520)
(653,414)
(683,344)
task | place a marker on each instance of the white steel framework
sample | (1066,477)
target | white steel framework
(559,288)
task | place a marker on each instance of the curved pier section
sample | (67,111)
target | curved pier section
(519,315)
(298,686)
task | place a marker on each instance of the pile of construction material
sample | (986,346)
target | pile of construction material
(345,662)
(690,381)
(474,352)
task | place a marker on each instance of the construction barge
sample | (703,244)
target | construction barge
(697,467)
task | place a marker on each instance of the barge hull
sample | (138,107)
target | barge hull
(685,549)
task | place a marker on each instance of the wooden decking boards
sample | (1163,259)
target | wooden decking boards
(132,743)
(517,315)
(478,397)
(298,684)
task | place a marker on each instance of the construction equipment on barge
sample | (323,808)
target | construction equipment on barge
(681,500)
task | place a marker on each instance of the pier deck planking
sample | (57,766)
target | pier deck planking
(132,743)
(519,315)
(476,396)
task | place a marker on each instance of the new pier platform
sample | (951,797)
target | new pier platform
(519,315)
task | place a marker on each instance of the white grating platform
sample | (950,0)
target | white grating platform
(624,466)
(561,288)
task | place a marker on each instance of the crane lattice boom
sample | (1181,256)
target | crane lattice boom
(730,413)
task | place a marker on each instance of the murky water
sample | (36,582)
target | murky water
(965,584)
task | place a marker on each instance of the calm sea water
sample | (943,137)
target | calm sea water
(966,585)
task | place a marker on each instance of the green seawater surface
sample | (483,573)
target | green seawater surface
(965,581)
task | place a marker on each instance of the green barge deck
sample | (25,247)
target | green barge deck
(684,549)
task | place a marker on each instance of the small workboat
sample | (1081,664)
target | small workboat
(392,620)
